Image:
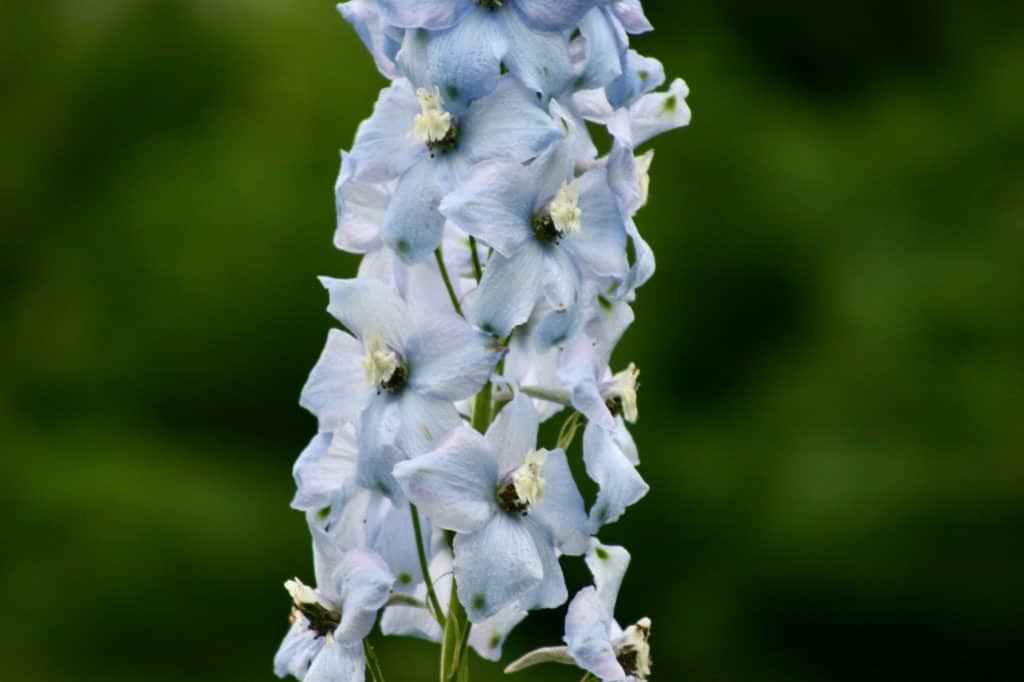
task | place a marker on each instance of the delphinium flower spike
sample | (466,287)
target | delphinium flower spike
(500,258)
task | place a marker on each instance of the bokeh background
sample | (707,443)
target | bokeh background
(832,349)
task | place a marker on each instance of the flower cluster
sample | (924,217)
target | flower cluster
(499,261)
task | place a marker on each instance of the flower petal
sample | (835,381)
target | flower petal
(496,565)
(608,564)
(364,582)
(488,637)
(508,291)
(587,632)
(383,149)
(338,662)
(555,16)
(551,592)
(334,391)
(561,508)
(609,466)
(495,205)
(449,359)
(507,124)
(514,432)
(368,307)
(455,484)
(413,226)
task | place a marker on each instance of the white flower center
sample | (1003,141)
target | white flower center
(380,363)
(565,210)
(527,479)
(635,643)
(433,122)
(625,387)
(643,169)
(300,593)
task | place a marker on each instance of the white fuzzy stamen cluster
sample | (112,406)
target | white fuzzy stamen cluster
(300,592)
(527,479)
(643,169)
(564,209)
(636,641)
(625,388)
(380,362)
(433,122)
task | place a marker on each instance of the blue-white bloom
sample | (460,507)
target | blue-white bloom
(325,641)
(396,376)
(511,506)
(421,139)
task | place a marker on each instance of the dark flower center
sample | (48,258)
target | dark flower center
(397,381)
(446,143)
(321,619)
(508,500)
(544,229)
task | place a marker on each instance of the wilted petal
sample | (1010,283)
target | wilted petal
(455,484)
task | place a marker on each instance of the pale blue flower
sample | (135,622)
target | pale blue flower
(325,641)
(611,459)
(415,137)
(397,375)
(511,507)
(548,230)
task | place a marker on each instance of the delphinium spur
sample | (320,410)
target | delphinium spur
(499,261)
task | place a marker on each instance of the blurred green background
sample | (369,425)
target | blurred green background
(832,349)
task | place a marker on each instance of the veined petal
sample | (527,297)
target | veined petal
(364,582)
(539,59)
(551,592)
(495,205)
(463,62)
(334,391)
(554,16)
(562,508)
(455,484)
(431,14)
(338,662)
(368,307)
(496,565)
(412,225)
(383,149)
(587,633)
(449,359)
(514,432)
(507,124)
(508,291)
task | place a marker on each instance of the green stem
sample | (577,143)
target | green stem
(482,409)
(435,603)
(477,270)
(372,664)
(447,281)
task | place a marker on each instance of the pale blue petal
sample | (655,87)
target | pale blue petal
(658,112)
(561,278)
(326,468)
(554,16)
(540,60)
(608,565)
(383,147)
(432,14)
(508,291)
(338,662)
(454,485)
(463,62)
(609,467)
(394,540)
(412,225)
(364,582)
(551,592)
(368,307)
(381,41)
(587,633)
(297,651)
(579,367)
(424,422)
(449,359)
(507,124)
(495,206)
(561,509)
(514,433)
(604,48)
(496,565)
(334,391)
(631,14)
(644,265)
(487,637)
(360,207)
(639,76)
(601,243)
(378,452)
